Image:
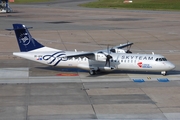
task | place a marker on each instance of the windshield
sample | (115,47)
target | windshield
(161,59)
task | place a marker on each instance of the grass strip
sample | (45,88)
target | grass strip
(137,4)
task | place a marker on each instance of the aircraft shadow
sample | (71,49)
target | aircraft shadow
(60,69)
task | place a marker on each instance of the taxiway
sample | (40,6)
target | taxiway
(31,91)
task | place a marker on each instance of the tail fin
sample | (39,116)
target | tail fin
(24,38)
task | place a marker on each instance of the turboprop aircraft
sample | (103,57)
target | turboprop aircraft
(102,60)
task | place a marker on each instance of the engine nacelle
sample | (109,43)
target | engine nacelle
(100,57)
(117,50)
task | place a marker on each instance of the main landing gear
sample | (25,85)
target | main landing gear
(163,73)
(92,72)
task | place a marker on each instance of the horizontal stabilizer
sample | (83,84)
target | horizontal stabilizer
(19,28)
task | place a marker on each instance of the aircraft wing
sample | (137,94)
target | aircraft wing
(123,45)
(91,55)
(88,55)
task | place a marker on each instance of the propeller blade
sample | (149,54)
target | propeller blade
(128,48)
(108,57)
(108,50)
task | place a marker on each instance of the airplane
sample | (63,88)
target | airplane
(97,61)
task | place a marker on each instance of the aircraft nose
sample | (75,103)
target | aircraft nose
(171,66)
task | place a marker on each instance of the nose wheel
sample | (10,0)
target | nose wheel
(163,73)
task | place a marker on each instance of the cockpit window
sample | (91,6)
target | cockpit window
(164,59)
(161,59)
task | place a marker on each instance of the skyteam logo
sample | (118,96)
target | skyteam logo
(141,65)
(55,58)
(24,39)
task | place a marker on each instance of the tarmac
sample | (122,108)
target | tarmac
(32,91)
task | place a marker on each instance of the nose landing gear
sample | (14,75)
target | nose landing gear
(163,73)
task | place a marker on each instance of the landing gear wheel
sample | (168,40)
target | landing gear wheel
(92,72)
(163,73)
(8,10)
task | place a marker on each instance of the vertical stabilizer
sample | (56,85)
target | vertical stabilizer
(24,39)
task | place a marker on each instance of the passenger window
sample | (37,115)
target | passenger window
(160,59)
(156,59)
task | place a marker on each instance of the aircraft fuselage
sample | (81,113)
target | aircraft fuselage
(120,61)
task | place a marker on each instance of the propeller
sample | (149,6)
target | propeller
(128,48)
(108,56)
